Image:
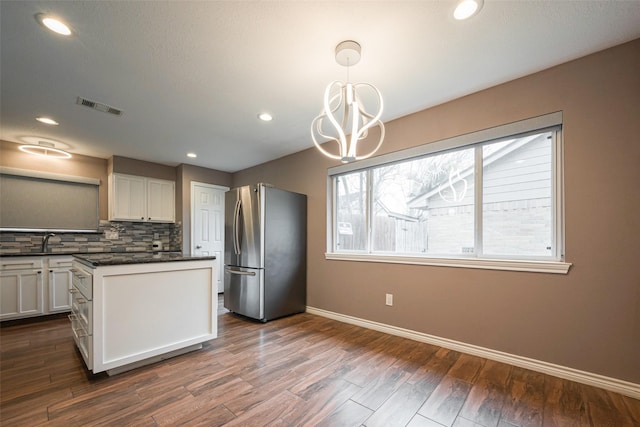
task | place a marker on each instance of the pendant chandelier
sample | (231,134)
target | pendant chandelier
(344,112)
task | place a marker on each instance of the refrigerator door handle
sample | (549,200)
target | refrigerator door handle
(236,217)
(241,273)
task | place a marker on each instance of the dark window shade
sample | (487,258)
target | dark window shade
(28,203)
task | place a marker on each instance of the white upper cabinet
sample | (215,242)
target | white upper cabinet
(127,198)
(161,200)
(136,198)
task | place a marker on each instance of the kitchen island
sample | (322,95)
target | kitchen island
(132,309)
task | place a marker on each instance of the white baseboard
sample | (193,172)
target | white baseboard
(619,386)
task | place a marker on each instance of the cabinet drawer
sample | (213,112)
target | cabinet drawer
(21,263)
(82,312)
(83,341)
(82,281)
(60,262)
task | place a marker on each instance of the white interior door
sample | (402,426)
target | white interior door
(207,224)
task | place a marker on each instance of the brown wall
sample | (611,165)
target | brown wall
(86,166)
(78,165)
(588,319)
(129,166)
(93,167)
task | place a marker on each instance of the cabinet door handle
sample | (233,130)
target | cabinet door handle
(81,300)
(73,317)
(73,291)
(19,265)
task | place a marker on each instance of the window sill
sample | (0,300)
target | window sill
(556,267)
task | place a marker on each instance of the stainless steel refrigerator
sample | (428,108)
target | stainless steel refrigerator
(265,252)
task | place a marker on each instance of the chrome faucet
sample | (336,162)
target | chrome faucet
(45,240)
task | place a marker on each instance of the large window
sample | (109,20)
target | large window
(487,200)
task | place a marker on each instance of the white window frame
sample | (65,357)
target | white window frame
(554,264)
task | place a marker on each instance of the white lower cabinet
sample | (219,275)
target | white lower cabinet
(21,292)
(59,281)
(34,286)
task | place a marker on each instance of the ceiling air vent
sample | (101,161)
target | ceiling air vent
(98,106)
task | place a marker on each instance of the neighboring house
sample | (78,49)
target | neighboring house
(439,220)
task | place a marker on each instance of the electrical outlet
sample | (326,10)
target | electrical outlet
(111,235)
(389,299)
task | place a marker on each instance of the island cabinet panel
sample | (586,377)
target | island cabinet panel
(167,310)
(143,312)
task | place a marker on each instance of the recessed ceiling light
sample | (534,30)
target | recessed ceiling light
(192,155)
(54,25)
(265,117)
(465,9)
(47,121)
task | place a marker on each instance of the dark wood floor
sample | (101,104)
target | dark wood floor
(303,370)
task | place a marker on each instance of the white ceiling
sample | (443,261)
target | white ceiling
(192,76)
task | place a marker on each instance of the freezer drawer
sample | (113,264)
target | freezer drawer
(244,291)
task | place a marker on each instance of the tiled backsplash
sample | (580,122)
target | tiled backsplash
(111,237)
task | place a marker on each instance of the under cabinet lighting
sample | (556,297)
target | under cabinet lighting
(192,155)
(265,117)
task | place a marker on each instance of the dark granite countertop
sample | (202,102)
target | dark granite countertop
(23,254)
(121,258)
(50,254)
